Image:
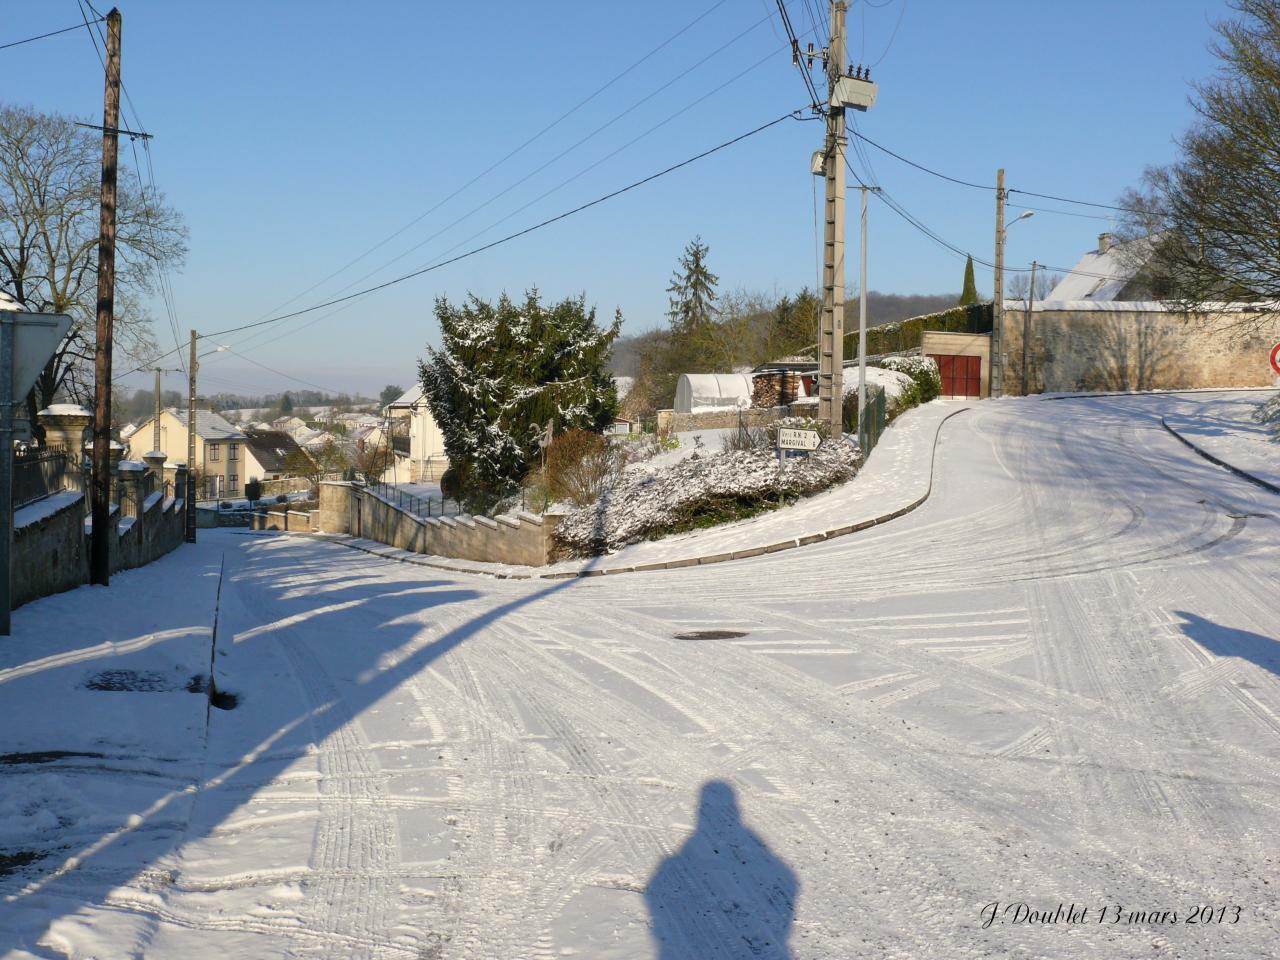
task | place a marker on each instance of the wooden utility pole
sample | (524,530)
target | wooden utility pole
(100,545)
(1026,333)
(831,342)
(191,443)
(996,365)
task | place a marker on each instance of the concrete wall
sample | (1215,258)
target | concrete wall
(1133,346)
(523,538)
(961,345)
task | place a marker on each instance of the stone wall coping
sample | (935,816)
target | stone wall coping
(528,517)
(465,520)
(487,522)
(131,466)
(64,410)
(509,520)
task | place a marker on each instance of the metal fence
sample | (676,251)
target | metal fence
(37,473)
(872,422)
(415,504)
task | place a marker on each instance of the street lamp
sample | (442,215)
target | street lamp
(997,306)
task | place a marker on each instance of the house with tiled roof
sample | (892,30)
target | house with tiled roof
(220,449)
(269,454)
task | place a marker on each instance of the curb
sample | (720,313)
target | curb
(1242,474)
(742,554)
(1146,393)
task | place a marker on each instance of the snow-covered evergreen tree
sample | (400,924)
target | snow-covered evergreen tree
(502,372)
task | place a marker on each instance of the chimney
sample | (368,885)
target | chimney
(1104,242)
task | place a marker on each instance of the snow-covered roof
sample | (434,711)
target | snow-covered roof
(409,398)
(9,303)
(710,391)
(209,425)
(1103,273)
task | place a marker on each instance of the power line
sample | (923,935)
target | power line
(564,116)
(792,115)
(580,173)
(893,36)
(1083,203)
(52,33)
(279,373)
(983,186)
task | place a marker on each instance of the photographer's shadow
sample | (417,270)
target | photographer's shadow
(723,893)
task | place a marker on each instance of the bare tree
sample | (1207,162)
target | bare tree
(49,192)
(1216,211)
(1020,283)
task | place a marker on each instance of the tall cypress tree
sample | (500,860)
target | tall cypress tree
(970,293)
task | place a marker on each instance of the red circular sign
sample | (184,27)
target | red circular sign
(1275,358)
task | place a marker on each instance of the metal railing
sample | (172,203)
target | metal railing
(37,473)
(415,504)
(872,422)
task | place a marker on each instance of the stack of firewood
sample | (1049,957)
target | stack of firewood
(775,388)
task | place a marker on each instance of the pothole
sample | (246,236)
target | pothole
(711,635)
(223,700)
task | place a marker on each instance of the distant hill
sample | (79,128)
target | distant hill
(881,308)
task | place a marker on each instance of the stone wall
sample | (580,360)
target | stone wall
(1133,346)
(521,538)
(671,422)
(51,541)
(51,537)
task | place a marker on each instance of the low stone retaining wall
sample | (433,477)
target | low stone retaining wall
(51,549)
(671,422)
(521,538)
(295,521)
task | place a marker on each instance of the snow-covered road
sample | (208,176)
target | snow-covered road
(1057,682)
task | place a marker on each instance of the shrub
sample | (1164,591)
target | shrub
(253,491)
(920,369)
(579,465)
(699,492)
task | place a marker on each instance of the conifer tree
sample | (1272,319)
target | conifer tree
(970,292)
(502,373)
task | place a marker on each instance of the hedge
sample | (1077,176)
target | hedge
(903,335)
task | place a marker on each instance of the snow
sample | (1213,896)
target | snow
(1056,680)
(46,507)
(1228,427)
(64,409)
(893,382)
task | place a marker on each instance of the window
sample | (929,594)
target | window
(213,452)
(233,451)
(233,483)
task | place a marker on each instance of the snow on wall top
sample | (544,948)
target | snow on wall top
(710,391)
(63,410)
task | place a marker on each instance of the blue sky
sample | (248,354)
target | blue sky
(296,136)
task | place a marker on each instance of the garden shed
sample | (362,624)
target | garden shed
(712,391)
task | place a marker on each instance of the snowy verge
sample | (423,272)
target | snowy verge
(896,480)
(1234,431)
(699,491)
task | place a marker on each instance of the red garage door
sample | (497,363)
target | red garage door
(961,376)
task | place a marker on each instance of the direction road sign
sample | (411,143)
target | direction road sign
(1275,358)
(790,438)
(35,337)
